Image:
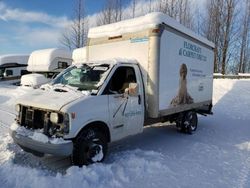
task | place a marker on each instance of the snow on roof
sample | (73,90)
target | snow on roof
(14,58)
(141,23)
(45,60)
(79,55)
(111,61)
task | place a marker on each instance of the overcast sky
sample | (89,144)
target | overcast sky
(28,25)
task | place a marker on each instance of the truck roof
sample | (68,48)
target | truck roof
(14,58)
(111,61)
(44,60)
(141,23)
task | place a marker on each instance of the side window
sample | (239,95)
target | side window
(120,80)
(62,65)
(23,72)
(8,72)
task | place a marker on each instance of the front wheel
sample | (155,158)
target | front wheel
(89,147)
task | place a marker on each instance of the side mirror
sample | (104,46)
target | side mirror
(132,90)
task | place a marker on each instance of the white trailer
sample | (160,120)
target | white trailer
(45,64)
(12,67)
(163,73)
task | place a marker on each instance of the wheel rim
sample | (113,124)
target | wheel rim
(191,121)
(94,152)
(94,148)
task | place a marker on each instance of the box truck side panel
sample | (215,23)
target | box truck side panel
(185,73)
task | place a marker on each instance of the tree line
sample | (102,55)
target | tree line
(224,22)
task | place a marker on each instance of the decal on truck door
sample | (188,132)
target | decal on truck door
(183,97)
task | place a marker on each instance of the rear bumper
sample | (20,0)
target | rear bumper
(40,148)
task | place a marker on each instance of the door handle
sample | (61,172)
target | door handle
(139,99)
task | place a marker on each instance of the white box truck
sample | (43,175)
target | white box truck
(44,65)
(12,67)
(164,73)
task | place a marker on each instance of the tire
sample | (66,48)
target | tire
(89,147)
(187,122)
(179,123)
(190,122)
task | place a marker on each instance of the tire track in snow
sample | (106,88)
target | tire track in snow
(244,178)
(5,114)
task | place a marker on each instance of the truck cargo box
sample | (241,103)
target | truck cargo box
(177,64)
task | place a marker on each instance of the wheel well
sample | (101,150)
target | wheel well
(100,126)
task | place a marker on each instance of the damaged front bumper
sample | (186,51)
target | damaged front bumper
(39,148)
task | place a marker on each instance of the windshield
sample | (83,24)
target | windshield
(85,77)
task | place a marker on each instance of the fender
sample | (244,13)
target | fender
(103,126)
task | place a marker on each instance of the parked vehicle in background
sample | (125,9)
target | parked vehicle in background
(12,67)
(44,65)
(139,71)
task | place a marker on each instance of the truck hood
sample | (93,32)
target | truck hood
(52,99)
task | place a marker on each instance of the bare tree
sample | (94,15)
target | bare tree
(219,24)
(112,12)
(169,7)
(150,5)
(184,13)
(213,27)
(245,38)
(134,2)
(228,18)
(198,22)
(76,35)
(177,9)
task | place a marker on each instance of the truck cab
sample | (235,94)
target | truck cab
(101,101)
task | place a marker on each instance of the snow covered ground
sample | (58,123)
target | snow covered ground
(217,155)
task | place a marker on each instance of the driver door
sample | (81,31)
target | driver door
(126,113)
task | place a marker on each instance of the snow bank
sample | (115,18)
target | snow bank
(232,98)
(141,23)
(127,168)
(14,58)
(244,74)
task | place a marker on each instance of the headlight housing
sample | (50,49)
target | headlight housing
(59,124)
(54,117)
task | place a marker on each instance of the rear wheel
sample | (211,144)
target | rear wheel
(89,147)
(179,122)
(190,122)
(187,122)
